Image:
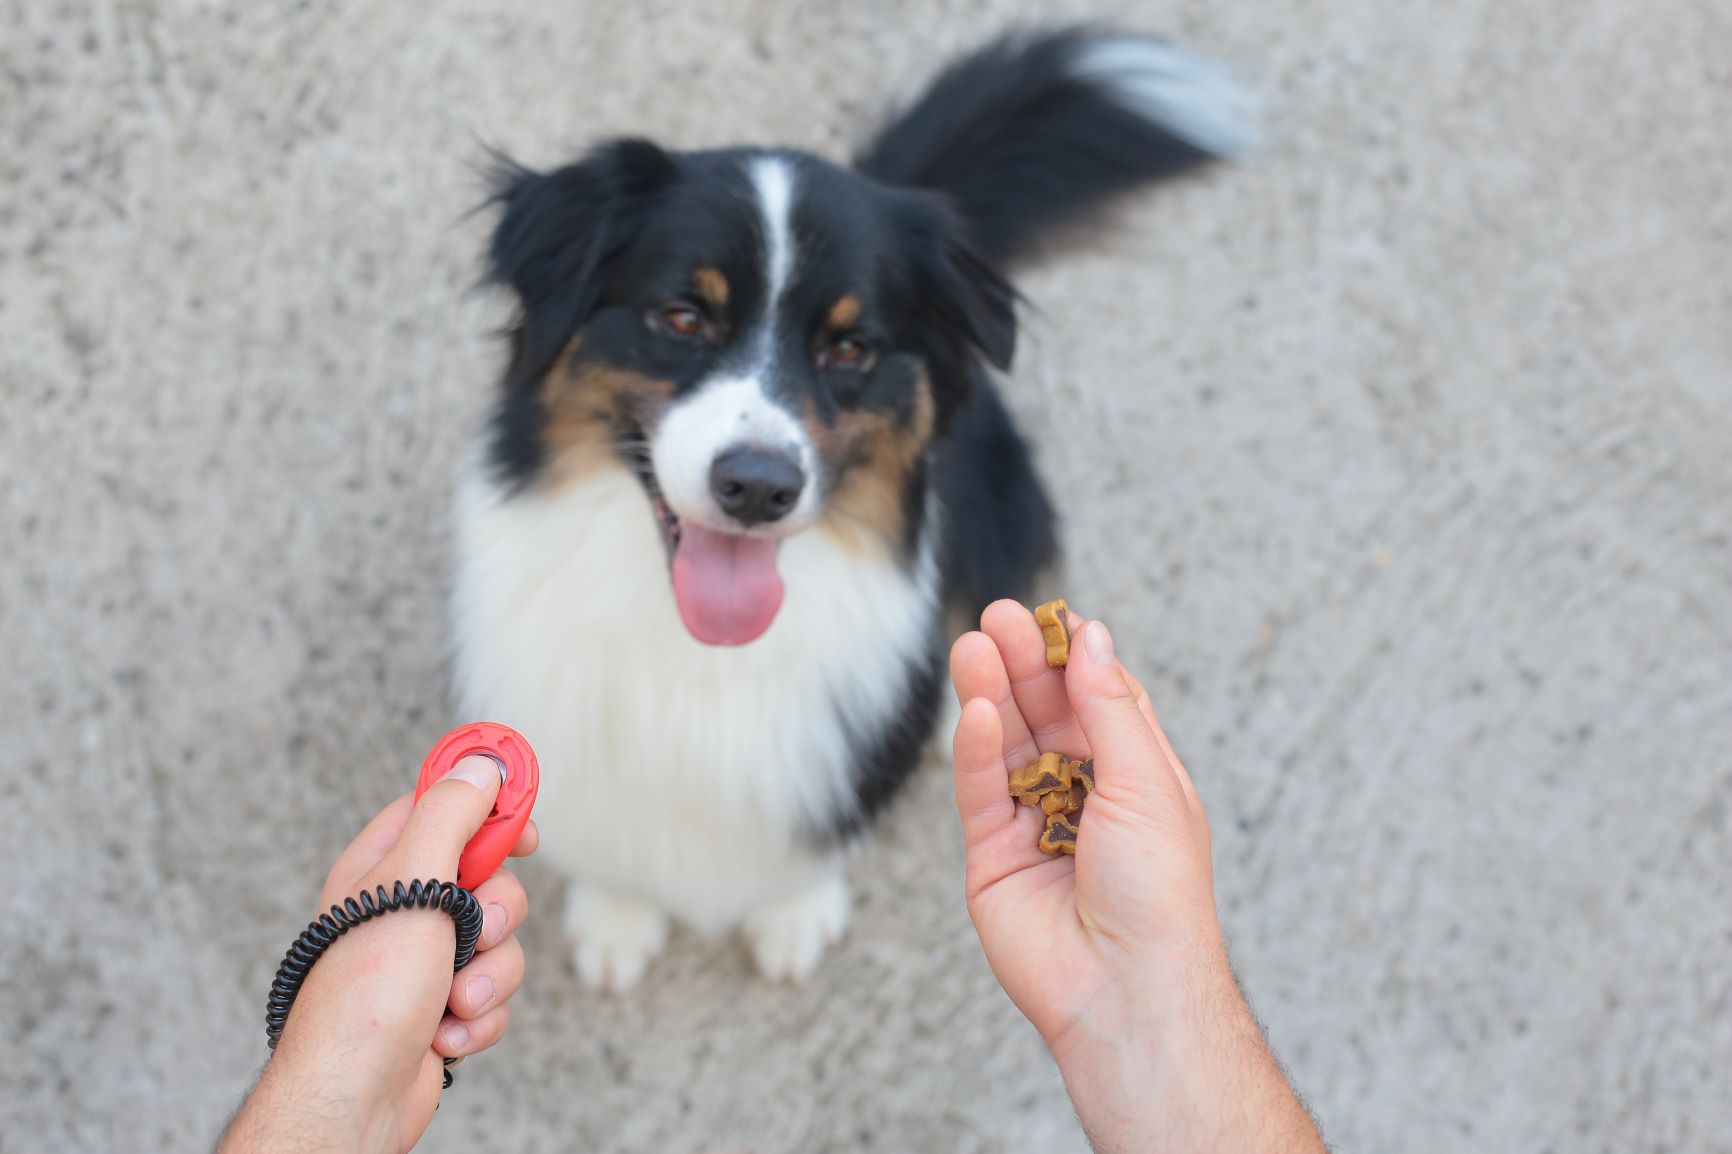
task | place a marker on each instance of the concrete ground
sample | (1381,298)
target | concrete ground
(1404,472)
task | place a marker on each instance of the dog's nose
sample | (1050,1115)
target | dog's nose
(755,486)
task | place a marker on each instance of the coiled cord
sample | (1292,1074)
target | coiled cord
(453,899)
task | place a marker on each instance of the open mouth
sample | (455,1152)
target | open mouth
(666,518)
(725,583)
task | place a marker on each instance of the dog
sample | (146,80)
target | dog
(748,451)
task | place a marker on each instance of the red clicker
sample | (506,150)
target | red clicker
(492,844)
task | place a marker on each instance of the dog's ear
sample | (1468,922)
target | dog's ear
(965,308)
(556,235)
(980,301)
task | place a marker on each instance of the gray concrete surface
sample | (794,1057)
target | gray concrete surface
(1403,472)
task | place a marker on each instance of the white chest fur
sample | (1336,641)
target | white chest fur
(671,770)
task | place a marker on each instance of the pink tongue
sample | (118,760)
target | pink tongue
(726,585)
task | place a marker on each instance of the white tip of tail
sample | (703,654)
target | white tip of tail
(1191,97)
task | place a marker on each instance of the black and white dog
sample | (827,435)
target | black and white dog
(748,450)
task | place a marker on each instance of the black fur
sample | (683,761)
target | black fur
(1021,146)
(999,525)
(557,233)
(883,760)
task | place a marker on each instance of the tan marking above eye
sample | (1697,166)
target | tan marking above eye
(845,313)
(712,286)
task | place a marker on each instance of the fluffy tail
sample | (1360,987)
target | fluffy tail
(1033,131)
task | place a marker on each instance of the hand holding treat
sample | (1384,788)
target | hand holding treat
(1104,932)
(1141,879)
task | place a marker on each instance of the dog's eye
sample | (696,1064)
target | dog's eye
(684,321)
(846,353)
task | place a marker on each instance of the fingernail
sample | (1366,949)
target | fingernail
(456,1035)
(478,770)
(1100,644)
(493,923)
(479,990)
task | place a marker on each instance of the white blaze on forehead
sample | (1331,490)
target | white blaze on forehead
(773,178)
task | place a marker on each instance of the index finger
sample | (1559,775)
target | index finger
(1039,689)
(367,850)
(977,670)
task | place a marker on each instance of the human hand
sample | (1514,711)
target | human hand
(359,1066)
(1136,903)
(1116,955)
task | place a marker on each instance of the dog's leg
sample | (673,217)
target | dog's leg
(789,935)
(614,936)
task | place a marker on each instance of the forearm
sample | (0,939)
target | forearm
(1180,1065)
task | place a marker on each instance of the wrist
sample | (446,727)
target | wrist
(1171,1054)
(299,1108)
(1168,993)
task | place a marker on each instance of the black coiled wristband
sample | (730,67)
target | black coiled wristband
(453,899)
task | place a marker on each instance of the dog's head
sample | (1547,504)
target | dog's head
(771,343)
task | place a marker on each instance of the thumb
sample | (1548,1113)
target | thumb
(1129,761)
(447,816)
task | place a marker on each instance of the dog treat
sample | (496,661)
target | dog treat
(1060,835)
(1079,796)
(1067,801)
(1060,787)
(1050,774)
(1054,621)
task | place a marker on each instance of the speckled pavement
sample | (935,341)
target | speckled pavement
(1402,465)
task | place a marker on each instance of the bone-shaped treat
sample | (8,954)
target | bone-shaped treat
(1054,621)
(1060,835)
(1037,779)
(1066,801)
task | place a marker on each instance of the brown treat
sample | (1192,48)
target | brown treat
(1084,771)
(1060,835)
(1054,621)
(1065,801)
(1078,798)
(1033,781)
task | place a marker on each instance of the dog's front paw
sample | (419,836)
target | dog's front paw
(788,938)
(614,937)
